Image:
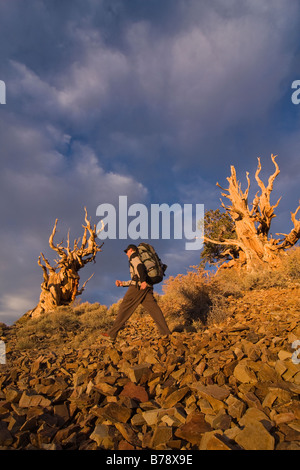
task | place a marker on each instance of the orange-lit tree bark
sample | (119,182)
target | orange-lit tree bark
(253,245)
(60,284)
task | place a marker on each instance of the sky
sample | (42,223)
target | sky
(140,98)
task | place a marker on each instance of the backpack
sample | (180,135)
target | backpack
(154,267)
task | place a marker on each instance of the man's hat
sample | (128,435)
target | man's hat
(133,247)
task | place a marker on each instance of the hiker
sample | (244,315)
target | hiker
(140,291)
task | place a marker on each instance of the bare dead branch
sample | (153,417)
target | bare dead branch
(254,246)
(223,189)
(275,174)
(292,238)
(57,247)
(248,187)
(60,283)
(227,242)
(84,284)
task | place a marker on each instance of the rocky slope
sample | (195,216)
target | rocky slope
(234,385)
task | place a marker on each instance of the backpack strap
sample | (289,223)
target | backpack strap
(138,268)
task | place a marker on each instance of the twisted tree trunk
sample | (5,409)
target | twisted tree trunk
(60,284)
(254,246)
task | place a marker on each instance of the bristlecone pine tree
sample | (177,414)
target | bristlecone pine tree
(60,284)
(218,226)
(253,245)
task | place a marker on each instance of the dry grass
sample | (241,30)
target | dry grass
(79,325)
(287,273)
(198,298)
(190,302)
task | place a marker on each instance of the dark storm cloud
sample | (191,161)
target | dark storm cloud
(150,99)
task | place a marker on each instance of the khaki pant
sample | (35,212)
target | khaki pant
(132,299)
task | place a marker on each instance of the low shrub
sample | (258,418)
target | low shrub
(192,300)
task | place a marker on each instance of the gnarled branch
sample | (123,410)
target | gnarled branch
(262,208)
(61,283)
(292,238)
(254,246)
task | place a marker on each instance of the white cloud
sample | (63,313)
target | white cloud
(14,304)
(90,82)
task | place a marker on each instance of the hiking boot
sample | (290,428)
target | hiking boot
(107,337)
